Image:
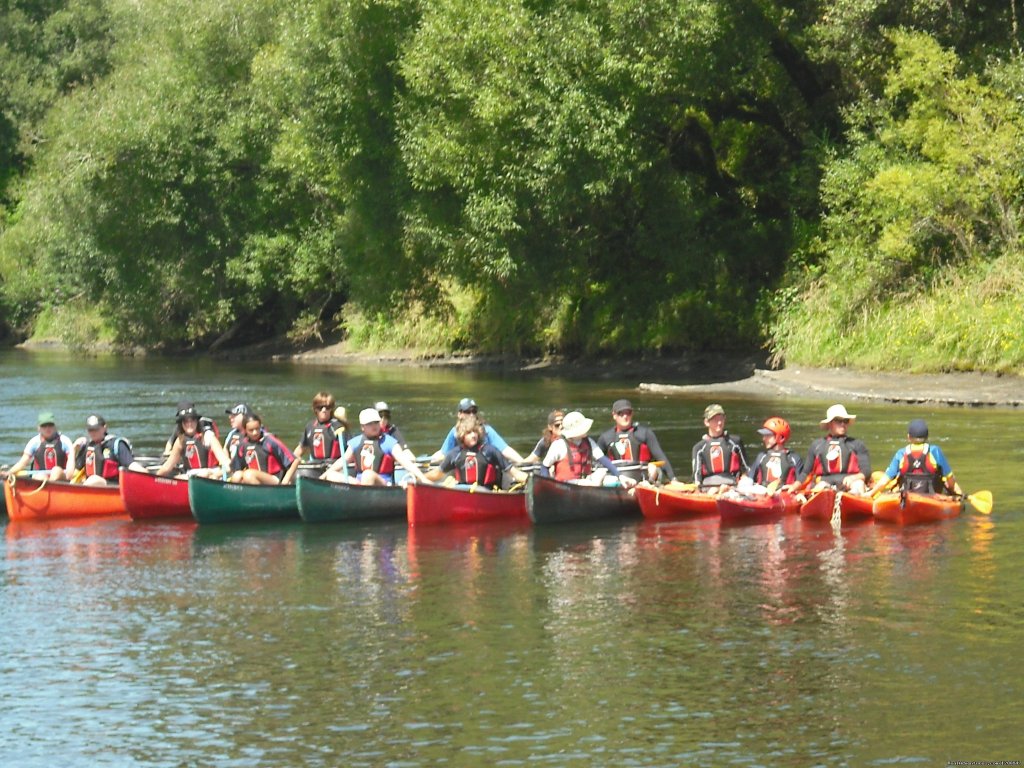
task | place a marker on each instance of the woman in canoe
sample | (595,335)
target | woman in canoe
(375,455)
(919,466)
(474,461)
(194,450)
(576,458)
(776,466)
(49,454)
(551,432)
(323,438)
(262,459)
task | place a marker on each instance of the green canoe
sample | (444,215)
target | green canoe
(321,501)
(552,501)
(213,501)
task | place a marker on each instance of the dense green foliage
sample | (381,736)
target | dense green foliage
(612,175)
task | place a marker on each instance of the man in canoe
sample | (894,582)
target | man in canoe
(99,455)
(719,459)
(468,406)
(838,460)
(474,461)
(387,426)
(375,455)
(576,458)
(919,466)
(628,441)
(195,450)
(236,420)
(49,454)
(262,459)
(323,438)
(776,466)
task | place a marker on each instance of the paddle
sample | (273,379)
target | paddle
(981,501)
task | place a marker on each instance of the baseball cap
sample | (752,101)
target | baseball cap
(918,428)
(466,404)
(46,418)
(621,405)
(714,410)
(368,416)
(382,406)
(94,421)
(240,408)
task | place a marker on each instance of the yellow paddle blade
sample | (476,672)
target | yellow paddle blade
(677,485)
(981,501)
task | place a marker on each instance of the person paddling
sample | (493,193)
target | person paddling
(838,460)
(719,459)
(195,450)
(47,455)
(920,467)
(99,455)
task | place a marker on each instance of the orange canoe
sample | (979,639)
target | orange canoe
(737,508)
(29,499)
(916,508)
(664,504)
(819,504)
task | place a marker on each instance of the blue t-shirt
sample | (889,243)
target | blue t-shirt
(490,436)
(937,456)
(388,445)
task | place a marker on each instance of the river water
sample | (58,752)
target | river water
(787,644)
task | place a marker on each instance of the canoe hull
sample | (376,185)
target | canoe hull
(552,501)
(666,504)
(819,505)
(320,501)
(29,499)
(213,501)
(740,509)
(918,508)
(439,505)
(147,496)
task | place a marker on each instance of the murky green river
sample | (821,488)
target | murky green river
(624,644)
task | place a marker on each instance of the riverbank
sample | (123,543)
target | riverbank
(737,374)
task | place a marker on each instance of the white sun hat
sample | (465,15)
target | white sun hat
(836,412)
(575,425)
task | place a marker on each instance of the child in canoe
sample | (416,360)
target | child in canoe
(474,461)
(776,467)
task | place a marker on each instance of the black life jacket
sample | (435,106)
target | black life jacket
(195,454)
(627,447)
(918,469)
(326,440)
(718,459)
(50,454)
(101,458)
(262,456)
(777,464)
(372,457)
(474,467)
(834,459)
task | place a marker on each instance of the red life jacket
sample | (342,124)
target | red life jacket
(578,462)
(918,469)
(627,447)
(50,454)
(475,468)
(373,458)
(266,455)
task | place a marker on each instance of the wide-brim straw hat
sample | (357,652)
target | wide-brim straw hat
(575,424)
(836,412)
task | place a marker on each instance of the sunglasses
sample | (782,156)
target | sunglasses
(321,407)
(840,421)
(556,424)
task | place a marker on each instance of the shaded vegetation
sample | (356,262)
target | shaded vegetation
(837,180)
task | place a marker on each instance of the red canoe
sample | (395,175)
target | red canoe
(737,508)
(916,508)
(437,504)
(29,499)
(665,503)
(147,496)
